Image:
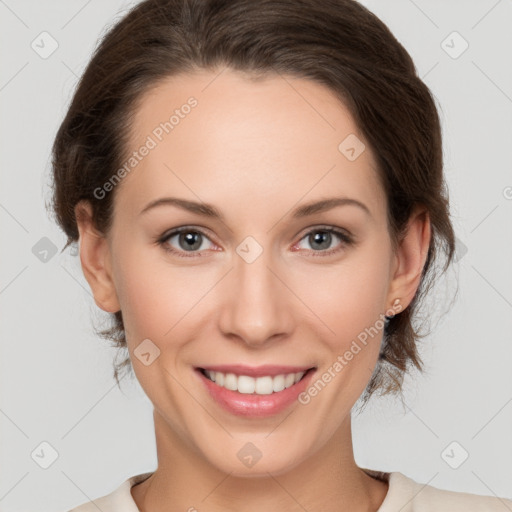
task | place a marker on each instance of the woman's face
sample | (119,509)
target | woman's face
(255,278)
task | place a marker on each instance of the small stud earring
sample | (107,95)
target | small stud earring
(396,302)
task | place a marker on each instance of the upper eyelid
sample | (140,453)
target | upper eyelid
(184,229)
(204,231)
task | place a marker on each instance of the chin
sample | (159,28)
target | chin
(249,462)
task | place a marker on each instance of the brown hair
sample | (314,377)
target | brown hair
(337,43)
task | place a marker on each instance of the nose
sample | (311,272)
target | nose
(257,305)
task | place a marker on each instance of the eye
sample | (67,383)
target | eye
(322,238)
(187,240)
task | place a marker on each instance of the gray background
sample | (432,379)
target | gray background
(56,376)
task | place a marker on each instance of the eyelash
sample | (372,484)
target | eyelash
(346,240)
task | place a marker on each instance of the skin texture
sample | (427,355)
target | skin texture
(255,151)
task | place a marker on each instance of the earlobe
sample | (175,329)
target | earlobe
(95,259)
(410,258)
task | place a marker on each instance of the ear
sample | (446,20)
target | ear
(95,258)
(410,258)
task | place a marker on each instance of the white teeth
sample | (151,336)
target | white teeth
(289,380)
(246,384)
(230,381)
(261,386)
(278,383)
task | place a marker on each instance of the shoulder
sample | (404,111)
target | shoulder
(119,500)
(407,495)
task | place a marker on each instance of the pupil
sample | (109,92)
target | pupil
(191,240)
(322,237)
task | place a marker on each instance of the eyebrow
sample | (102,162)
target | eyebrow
(208,210)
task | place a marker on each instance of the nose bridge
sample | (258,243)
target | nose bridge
(256,307)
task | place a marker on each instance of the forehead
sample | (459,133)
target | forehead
(224,137)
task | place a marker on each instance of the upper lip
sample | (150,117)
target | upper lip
(256,371)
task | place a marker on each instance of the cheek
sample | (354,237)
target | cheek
(351,294)
(158,299)
(154,296)
(348,301)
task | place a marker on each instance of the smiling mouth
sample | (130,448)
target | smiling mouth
(264,385)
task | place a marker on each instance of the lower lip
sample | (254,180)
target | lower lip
(253,405)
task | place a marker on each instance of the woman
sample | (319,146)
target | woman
(258,192)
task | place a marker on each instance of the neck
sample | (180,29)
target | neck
(329,481)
